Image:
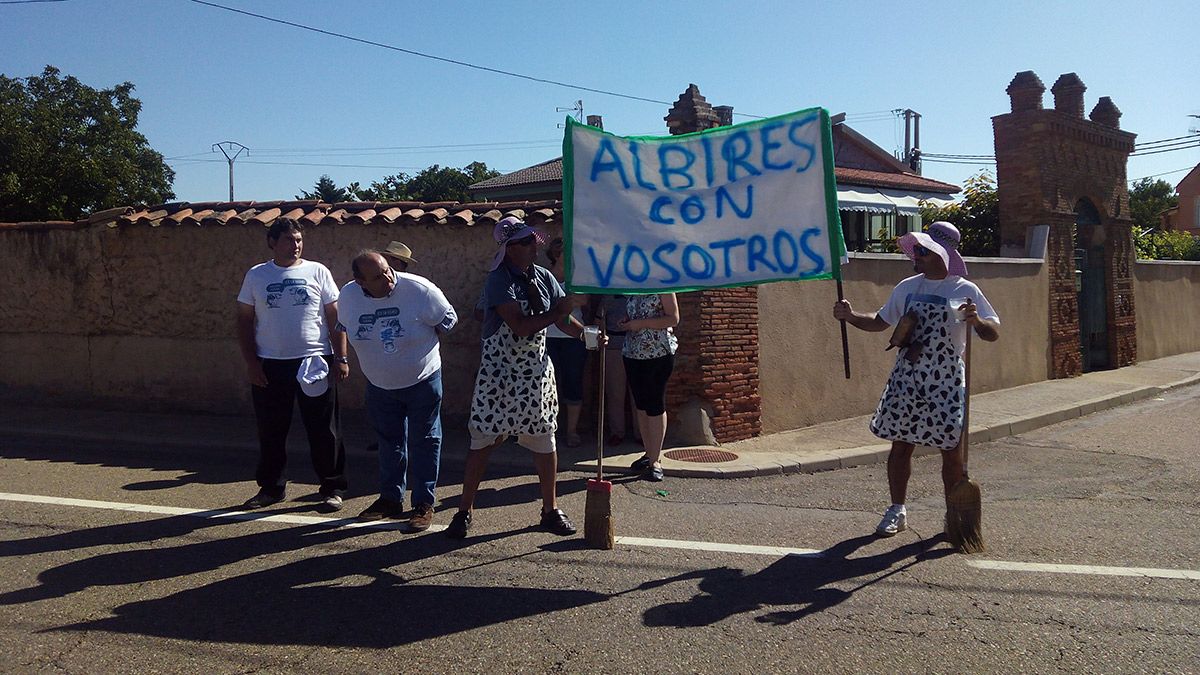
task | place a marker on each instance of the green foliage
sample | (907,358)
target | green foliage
(328,191)
(1167,245)
(434,184)
(67,149)
(977,216)
(1148,199)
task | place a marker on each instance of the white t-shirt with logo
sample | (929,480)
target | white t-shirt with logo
(396,337)
(289,308)
(950,291)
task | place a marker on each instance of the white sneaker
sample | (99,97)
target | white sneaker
(894,521)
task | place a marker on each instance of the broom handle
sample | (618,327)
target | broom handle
(600,413)
(966,432)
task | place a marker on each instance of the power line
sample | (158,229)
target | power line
(340,166)
(433,57)
(26,2)
(456,62)
(1165,173)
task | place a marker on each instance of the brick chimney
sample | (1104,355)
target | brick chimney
(1068,95)
(692,112)
(1025,91)
(724,115)
(1106,113)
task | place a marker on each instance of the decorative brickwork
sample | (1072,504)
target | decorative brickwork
(1048,163)
(716,366)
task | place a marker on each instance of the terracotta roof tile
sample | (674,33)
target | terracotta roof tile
(312,213)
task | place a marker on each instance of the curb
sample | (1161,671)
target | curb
(764,464)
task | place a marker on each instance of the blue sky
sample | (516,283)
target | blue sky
(206,75)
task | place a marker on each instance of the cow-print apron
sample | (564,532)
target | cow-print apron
(514,390)
(922,403)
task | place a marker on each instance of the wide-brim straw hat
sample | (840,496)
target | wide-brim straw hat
(399,251)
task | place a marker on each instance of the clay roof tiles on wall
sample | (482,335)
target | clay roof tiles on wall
(215,214)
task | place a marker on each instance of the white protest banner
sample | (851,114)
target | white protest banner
(731,206)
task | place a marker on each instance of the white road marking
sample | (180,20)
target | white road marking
(1146,572)
(717,547)
(225,514)
(679,544)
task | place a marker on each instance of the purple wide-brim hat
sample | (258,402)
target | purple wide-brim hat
(508,230)
(942,238)
(908,241)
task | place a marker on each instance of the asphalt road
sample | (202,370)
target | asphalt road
(1111,502)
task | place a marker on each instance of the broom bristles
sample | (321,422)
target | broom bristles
(598,528)
(964,517)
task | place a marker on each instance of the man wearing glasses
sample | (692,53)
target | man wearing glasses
(515,392)
(393,320)
(922,403)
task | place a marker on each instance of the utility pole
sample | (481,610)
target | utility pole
(226,147)
(912,139)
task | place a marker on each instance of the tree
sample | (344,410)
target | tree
(1148,199)
(327,191)
(977,216)
(67,149)
(433,184)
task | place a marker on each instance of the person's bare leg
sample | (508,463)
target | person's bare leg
(477,461)
(952,468)
(899,469)
(654,430)
(546,464)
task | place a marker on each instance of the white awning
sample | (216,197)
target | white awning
(885,200)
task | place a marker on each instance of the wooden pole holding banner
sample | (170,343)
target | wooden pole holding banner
(845,340)
(597,510)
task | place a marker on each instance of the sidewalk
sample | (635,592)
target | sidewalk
(822,447)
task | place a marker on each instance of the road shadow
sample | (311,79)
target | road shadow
(340,599)
(806,580)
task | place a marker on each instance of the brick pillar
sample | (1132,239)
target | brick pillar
(1048,163)
(713,395)
(1065,359)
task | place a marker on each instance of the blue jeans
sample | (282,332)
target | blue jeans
(408,424)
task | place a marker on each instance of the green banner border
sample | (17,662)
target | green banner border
(837,245)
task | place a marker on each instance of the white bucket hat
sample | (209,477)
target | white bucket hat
(313,376)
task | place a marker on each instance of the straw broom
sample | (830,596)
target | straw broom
(597,510)
(964,502)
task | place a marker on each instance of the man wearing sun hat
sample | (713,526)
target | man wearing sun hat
(398,255)
(515,392)
(922,403)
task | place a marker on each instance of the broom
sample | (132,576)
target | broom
(597,510)
(964,502)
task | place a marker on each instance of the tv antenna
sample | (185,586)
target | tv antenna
(577,109)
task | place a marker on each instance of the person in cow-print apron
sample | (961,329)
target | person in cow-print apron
(515,392)
(922,402)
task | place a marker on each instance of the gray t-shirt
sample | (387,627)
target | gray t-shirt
(508,284)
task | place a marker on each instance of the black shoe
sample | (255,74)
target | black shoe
(652,473)
(330,503)
(263,498)
(640,464)
(557,522)
(382,508)
(459,525)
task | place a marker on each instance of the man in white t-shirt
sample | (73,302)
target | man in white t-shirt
(393,320)
(285,309)
(924,399)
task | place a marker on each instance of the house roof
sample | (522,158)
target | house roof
(311,212)
(551,172)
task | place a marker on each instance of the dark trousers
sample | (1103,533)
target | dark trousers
(273,406)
